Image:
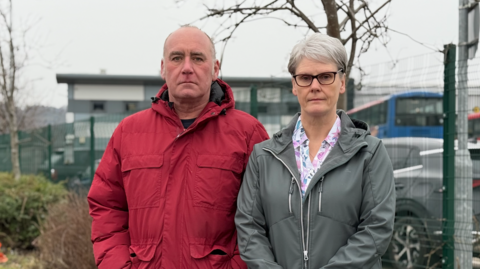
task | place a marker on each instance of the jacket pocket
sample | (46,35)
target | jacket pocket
(142,255)
(142,180)
(209,257)
(217,181)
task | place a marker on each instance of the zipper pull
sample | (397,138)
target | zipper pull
(305,257)
(291,186)
(320,190)
(290,192)
(321,184)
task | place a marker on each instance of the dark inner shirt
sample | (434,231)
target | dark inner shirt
(187,123)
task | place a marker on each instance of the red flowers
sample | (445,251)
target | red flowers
(3,258)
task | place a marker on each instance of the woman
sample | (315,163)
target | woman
(320,193)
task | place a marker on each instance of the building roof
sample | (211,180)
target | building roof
(274,82)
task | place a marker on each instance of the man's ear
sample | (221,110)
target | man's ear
(162,70)
(216,70)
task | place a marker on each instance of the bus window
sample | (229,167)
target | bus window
(374,115)
(419,111)
(476,127)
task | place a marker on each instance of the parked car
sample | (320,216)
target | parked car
(418,172)
(82,180)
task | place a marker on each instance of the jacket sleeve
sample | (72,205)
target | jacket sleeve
(258,135)
(109,210)
(369,243)
(255,248)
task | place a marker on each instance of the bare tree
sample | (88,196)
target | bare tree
(355,23)
(12,60)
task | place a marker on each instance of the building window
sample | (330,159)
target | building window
(98,106)
(130,106)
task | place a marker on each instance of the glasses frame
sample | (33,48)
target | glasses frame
(313,77)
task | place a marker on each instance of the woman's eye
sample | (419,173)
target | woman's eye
(326,76)
(305,78)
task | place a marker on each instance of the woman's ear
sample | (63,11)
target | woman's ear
(294,90)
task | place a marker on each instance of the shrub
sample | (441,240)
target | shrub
(23,205)
(65,235)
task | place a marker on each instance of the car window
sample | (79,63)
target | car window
(403,156)
(475,156)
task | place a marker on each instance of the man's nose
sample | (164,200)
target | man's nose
(187,66)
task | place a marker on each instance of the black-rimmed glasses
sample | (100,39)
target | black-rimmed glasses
(327,78)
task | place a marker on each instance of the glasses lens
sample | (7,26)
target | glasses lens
(326,78)
(304,80)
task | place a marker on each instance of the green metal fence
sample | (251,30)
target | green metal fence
(438,196)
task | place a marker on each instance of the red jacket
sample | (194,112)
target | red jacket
(165,197)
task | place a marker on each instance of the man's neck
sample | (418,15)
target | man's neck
(189,110)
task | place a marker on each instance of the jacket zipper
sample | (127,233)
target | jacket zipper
(305,250)
(305,253)
(290,192)
(320,191)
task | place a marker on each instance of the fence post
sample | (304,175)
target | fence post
(92,147)
(449,118)
(19,148)
(253,101)
(350,94)
(49,138)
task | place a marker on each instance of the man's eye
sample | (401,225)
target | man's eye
(198,59)
(176,58)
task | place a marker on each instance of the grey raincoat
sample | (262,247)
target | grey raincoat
(345,219)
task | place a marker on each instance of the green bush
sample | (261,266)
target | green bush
(23,205)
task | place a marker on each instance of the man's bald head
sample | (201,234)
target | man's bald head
(187,26)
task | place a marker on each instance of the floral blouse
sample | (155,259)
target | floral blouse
(300,142)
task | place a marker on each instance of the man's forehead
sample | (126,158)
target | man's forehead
(187,39)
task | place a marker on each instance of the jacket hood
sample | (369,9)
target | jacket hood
(353,133)
(221,98)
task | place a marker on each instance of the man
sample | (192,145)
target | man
(164,194)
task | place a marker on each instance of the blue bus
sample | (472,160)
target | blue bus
(407,114)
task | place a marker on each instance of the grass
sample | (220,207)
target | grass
(21,260)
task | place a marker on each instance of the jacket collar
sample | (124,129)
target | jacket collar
(353,132)
(351,140)
(221,99)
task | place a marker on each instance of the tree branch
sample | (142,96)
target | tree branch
(353,48)
(366,20)
(345,20)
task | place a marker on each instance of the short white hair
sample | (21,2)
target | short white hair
(318,47)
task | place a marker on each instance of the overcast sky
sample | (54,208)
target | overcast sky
(126,37)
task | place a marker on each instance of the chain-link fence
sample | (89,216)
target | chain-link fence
(426,111)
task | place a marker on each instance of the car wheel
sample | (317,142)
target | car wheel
(409,244)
